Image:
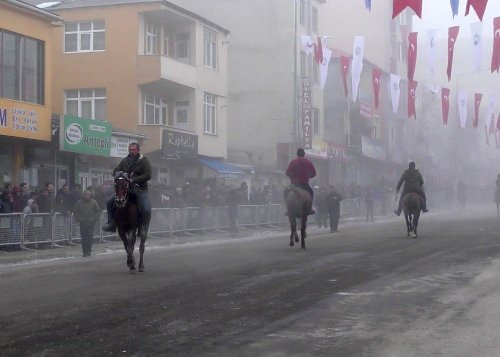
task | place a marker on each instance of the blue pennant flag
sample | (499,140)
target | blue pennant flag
(454,7)
(368,4)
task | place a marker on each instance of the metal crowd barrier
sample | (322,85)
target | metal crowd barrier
(29,230)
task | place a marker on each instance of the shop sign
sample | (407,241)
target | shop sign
(119,146)
(370,148)
(23,123)
(319,149)
(306,113)
(85,136)
(177,145)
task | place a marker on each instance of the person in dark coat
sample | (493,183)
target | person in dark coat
(413,182)
(87,212)
(138,168)
(333,199)
(44,202)
(369,203)
(63,200)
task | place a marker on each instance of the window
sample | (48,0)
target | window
(210,59)
(86,103)
(154,110)
(302,12)
(377,126)
(21,68)
(88,36)
(181,112)
(315,121)
(209,113)
(315,20)
(151,40)
(182,46)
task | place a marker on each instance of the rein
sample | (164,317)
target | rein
(121,201)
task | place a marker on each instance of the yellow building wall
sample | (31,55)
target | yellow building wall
(28,114)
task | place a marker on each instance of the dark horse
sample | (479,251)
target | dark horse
(127,220)
(412,205)
(297,202)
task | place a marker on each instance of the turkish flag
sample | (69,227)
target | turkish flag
(445,103)
(412,54)
(452,38)
(477,103)
(376,85)
(344,66)
(478,5)
(495,59)
(400,5)
(318,52)
(412,88)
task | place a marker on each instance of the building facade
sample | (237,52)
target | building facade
(25,89)
(155,72)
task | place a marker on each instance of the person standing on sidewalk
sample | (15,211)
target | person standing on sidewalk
(86,212)
(333,199)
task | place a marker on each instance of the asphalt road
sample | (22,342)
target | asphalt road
(366,291)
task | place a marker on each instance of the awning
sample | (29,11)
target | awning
(223,170)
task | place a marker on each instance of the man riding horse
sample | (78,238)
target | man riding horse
(413,183)
(300,170)
(138,168)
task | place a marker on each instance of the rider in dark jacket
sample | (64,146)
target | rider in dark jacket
(138,169)
(413,182)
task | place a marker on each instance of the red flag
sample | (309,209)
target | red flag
(318,52)
(412,54)
(478,5)
(412,88)
(376,85)
(445,103)
(344,66)
(495,59)
(477,103)
(452,38)
(400,5)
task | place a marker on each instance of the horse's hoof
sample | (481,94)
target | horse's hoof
(303,246)
(297,239)
(132,270)
(291,243)
(141,269)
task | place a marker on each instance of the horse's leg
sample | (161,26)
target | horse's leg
(303,232)
(408,224)
(141,251)
(131,245)
(293,229)
(415,224)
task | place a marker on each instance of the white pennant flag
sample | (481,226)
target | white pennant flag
(462,108)
(395,91)
(431,50)
(307,44)
(327,55)
(477,43)
(357,64)
(491,109)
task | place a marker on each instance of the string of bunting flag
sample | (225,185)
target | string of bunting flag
(322,56)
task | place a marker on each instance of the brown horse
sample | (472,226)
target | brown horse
(297,202)
(127,220)
(412,205)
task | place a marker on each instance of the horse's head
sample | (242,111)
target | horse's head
(121,183)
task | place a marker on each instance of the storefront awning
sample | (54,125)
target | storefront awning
(223,170)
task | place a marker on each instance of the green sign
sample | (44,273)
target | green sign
(85,136)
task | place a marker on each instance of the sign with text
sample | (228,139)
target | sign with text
(177,145)
(24,121)
(85,136)
(306,112)
(119,146)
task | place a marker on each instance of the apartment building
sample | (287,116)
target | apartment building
(266,70)
(144,71)
(25,88)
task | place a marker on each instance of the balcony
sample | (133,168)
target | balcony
(152,68)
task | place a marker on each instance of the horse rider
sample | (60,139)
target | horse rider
(300,170)
(413,183)
(138,168)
